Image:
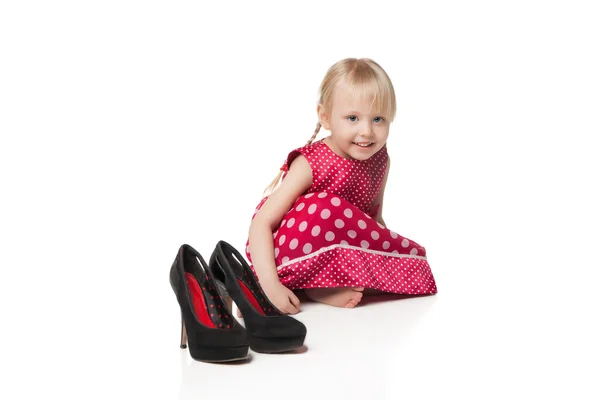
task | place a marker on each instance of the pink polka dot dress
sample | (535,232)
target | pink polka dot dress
(329,238)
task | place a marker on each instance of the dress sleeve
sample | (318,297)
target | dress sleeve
(305,151)
(290,158)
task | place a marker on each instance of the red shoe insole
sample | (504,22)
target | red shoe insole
(251,298)
(198,301)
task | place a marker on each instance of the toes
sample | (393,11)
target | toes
(358,289)
(356,298)
(352,304)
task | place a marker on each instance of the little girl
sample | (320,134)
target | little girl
(320,227)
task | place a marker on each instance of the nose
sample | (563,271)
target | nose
(366,129)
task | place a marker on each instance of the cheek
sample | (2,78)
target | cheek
(343,128)
(343,124)
(383,131)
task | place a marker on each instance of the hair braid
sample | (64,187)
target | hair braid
(317,129)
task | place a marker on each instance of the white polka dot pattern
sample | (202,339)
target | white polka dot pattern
(330,238)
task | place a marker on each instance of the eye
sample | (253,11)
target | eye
(378,119)
(352,118)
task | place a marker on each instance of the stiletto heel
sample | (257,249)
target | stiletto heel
(208,330)
(269,331)
(183,344)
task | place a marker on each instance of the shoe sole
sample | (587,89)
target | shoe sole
(218,354)
(275,345)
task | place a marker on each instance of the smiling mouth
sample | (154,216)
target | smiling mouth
(364,144)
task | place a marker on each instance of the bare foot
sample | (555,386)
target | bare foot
(338,297)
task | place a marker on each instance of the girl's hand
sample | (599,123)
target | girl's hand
(282,298)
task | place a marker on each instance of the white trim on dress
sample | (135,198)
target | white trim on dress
(347,246)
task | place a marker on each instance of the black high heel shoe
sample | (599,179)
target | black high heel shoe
(269,331)
(211,332)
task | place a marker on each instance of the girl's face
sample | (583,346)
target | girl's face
(357,131)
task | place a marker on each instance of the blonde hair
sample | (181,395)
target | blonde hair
(365,78)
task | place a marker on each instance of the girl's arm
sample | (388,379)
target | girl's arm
(297,181)
(379,199)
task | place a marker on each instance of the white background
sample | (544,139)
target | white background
(131,127)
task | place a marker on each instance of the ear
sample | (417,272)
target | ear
(323,117)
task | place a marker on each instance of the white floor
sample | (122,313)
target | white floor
(477,338)
(439,346)
(495,333)
(454,344)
